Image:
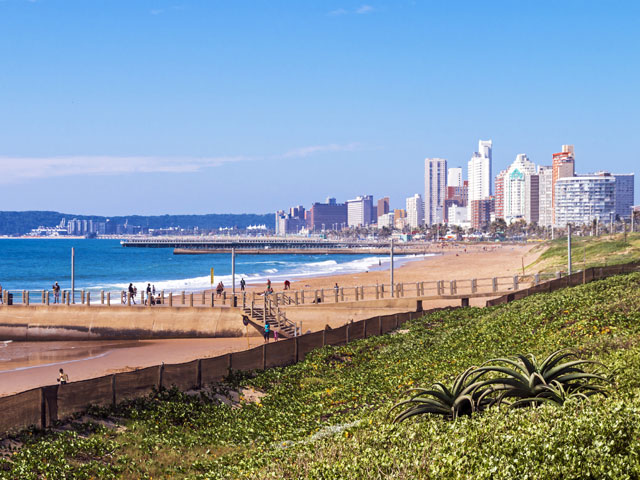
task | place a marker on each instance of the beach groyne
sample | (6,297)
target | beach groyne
(60,322)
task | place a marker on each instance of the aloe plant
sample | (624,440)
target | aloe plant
(466,396)
(528,382)
(557,394)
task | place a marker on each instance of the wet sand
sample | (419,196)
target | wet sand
(32,364)
(37,363)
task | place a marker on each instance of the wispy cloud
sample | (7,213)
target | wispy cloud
(364,9)
(361,10)
(160,11)
(337,12)
(19,169)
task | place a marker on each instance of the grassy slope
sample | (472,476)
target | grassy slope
(587,252)
(326,417)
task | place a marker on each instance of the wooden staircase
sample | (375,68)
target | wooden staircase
(261,313)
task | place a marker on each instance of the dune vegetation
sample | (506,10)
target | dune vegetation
(331,415)
(587,252)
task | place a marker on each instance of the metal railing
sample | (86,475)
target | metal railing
(277,300)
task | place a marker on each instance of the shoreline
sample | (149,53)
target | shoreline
(453,263)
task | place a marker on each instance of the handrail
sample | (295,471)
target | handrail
(282,298)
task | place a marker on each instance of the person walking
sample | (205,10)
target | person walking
(242,284)
(268,283)
(0,294)
(63,378)
(287,285)
(56,293)
(275,335)
(148,300)
(336,288)
(132,293)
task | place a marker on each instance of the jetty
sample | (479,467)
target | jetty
(277,246)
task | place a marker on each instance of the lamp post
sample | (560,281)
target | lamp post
(569,248)
(73,278)
(391,265)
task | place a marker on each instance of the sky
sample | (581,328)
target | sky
(119,107)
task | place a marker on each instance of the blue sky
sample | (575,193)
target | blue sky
(202,106)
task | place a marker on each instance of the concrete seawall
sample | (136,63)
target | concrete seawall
(39,322)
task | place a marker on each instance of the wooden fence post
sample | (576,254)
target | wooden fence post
(108,299)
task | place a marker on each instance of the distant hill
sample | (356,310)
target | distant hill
(18,223)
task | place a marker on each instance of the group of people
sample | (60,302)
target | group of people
(151,298)
(267,332)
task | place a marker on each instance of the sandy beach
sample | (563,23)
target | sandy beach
(38,363)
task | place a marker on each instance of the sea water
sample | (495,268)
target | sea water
(35,264)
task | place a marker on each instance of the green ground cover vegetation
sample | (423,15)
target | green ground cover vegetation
(587,252)
(329,416)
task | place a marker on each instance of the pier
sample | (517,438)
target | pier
(279,246)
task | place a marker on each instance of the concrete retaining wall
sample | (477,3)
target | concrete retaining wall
(103,323)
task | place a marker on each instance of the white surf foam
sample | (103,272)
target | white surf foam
(290,272)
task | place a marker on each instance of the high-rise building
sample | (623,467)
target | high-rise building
(383,206)
(399,218)
(624,194)
(532,198)
(454,177)
(564,165)
(359,211)
(292,222)
(435,178)
(582,199)
(456,196)
(327,216)
(545,197)
(514,188)
(386,220)
(481,213)
(457,215)
(479,171)
(415,211)
(499,197)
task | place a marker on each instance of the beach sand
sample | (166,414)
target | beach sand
(40,364)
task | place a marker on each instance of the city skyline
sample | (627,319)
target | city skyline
(210,107)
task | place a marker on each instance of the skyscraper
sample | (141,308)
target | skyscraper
(564,165)
(454,177)
(327,216)
(514,188)
(435,178)
(545,198)
(624,194)
(499,198)
(582,199)
(383,206)
(359,211)
(415,211)
(479,171)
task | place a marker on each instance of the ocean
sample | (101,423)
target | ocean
(35,264)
